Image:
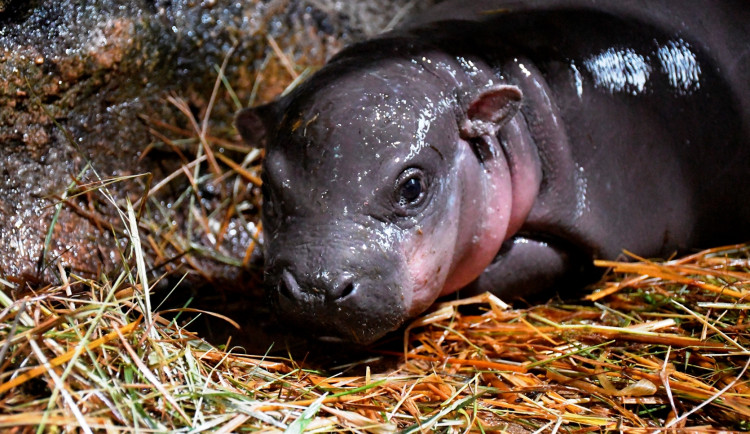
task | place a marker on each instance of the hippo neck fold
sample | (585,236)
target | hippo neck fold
(508,157)
(559,214)
(533,147)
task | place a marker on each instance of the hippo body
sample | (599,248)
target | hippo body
(501,146)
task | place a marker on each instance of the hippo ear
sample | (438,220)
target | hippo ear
(490,109)
(253,123)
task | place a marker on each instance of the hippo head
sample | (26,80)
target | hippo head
(384,187)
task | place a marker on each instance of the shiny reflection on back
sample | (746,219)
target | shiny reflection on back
(680,65)
(624,70)
(619,70)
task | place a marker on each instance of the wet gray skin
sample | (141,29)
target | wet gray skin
(502,152)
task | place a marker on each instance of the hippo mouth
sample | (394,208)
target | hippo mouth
(338,323)
(362,313)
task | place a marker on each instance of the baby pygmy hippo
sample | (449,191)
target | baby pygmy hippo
(501,146)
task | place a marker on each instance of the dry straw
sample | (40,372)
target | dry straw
(648,353)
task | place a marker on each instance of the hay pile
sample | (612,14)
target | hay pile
(656,346)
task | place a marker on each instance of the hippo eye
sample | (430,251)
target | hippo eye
(411,189)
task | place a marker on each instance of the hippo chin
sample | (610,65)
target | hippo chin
(502,152)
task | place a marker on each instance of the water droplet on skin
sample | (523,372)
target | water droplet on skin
(680,65)
(619,70)
(578,80)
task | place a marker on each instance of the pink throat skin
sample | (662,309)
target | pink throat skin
(497,207)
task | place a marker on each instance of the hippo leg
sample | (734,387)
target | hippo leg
(525,267)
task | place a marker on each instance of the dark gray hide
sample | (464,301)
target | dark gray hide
(501,147)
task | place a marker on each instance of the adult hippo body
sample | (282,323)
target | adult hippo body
(500,146)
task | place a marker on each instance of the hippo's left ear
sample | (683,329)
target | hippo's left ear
(253,123)
(490,109)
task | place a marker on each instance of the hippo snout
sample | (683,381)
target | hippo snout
(336,306)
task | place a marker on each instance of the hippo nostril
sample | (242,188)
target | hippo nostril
(343,288)
(283,289)
(348,289)
(288,286)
